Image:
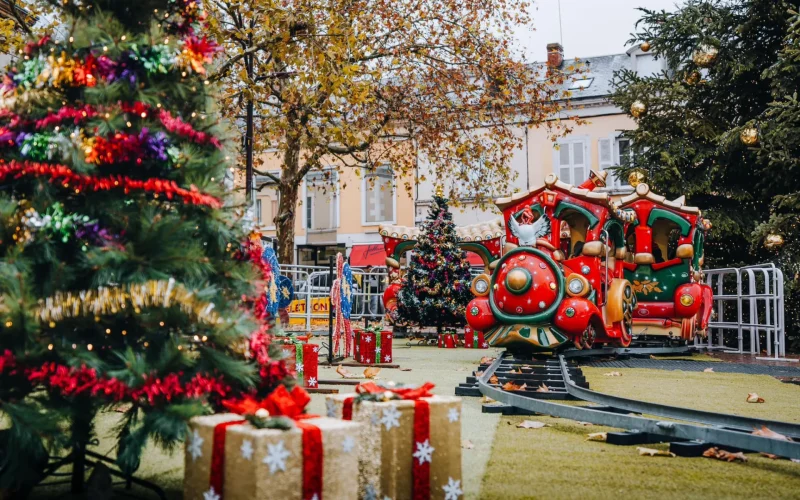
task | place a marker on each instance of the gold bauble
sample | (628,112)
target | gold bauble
(773,241)
(638,108)
(749,136)
(440,191)
(635,178)
(517,279)
(692,78)
(645,46)
(705,55)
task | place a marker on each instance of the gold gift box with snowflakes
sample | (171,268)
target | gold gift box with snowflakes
(410,448)
(228,458)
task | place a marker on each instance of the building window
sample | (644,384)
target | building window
(612,152)
(267,196)
(583,83)
(322,200)
(571,161)
(379,199)
(258,211)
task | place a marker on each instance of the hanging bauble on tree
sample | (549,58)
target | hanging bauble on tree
(638,108)
(705,55)
(692,77)
(635,178)
(773,241)
(749,136)
(645,46)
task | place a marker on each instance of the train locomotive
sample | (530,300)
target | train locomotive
(567,278)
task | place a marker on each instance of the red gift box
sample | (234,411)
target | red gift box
(448,340)
(373,348)
(304,359)
(474,339)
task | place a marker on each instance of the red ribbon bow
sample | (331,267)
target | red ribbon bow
(408,393)
(281,403)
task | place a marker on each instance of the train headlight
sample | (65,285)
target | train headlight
(686,300)
(577,285)
(480,285)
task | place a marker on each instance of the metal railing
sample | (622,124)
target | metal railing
(748,301)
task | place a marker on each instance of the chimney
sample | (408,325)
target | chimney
(555,55)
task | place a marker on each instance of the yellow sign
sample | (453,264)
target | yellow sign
(319,305)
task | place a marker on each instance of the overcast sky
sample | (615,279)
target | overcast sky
(590,27)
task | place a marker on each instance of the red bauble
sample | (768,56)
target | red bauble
(479,314)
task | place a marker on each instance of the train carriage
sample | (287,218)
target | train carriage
(664,266)
(549,291)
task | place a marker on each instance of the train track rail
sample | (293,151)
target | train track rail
(675,424)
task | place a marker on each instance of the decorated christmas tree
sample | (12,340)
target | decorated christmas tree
(719,126)
(436,288)
(118,282)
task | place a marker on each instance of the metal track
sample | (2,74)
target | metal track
(711,428)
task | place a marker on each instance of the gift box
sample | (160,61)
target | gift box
(372,347)
(474,339)
(448,340)
(228,458)
(410,448)
(303,359)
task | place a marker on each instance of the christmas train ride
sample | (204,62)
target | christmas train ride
(579,270)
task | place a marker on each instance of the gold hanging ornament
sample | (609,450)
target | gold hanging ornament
(635,178)
(692,78)
(645,46)
(749,136)
(638,108)
(773,241)
(705,55)
(440,191)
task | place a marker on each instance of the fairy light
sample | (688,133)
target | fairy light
(49,347)
(90,347)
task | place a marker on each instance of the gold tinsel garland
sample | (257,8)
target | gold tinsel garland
(137,296)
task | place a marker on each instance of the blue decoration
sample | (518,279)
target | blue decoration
(285,292)
(273,286)
(347,291)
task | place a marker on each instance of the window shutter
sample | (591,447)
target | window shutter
(606,159)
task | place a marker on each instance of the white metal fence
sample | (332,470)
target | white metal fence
(748,309)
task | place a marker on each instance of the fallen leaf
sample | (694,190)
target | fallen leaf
(467,444)
(372,372)
(493,380)
(405,369)
(597,436)
(724,455)
(752,397)
(511,386)
(770,455)
(654,453)
(585,424)
(652,357)
(487,400)
(613,374)
(486,360)
(478,374)
(767,433)
(530,424)
(543,388)
(708,370)
(345,373)
(518,370)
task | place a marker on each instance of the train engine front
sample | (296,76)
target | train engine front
(557,283)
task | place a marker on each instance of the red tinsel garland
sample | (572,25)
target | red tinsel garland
(66,113)
(65,176)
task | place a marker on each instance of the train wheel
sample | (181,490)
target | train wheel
(578,342)
(588,337)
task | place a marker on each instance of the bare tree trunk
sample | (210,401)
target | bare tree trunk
(289,191)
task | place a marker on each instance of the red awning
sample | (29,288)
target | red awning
(367,255)
(474,259)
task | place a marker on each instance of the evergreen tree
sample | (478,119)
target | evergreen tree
(698,134)
(118,282)
(436,288)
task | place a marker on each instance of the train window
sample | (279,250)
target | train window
(630,242)
(665,239)
(578,226)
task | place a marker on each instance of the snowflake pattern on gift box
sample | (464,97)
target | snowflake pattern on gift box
(387,358)
(485,345)
(312,382)
(452,415)
(211,495)
(195,447)
(316,348)
(247,449)
(276,457)
(391,417)
(330,408)
(452,490)
(377,350)
(348,444)
(424,452)
(299,367)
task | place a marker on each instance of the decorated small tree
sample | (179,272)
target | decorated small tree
(118,282)
(436,288)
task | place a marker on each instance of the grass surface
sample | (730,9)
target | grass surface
(557,461)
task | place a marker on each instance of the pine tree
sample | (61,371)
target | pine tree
(695,134)
(118,282)
(436,288)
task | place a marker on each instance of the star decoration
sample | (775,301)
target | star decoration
(367,339)
(330,408)
(299,367)
(452,415)
(452,490)
(348,444)
(424,452)
(276,457)
(312,382)
(211,495)
(387,358)
(195,446)
(391,418)
(247,449)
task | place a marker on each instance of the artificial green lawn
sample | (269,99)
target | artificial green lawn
(557,461)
